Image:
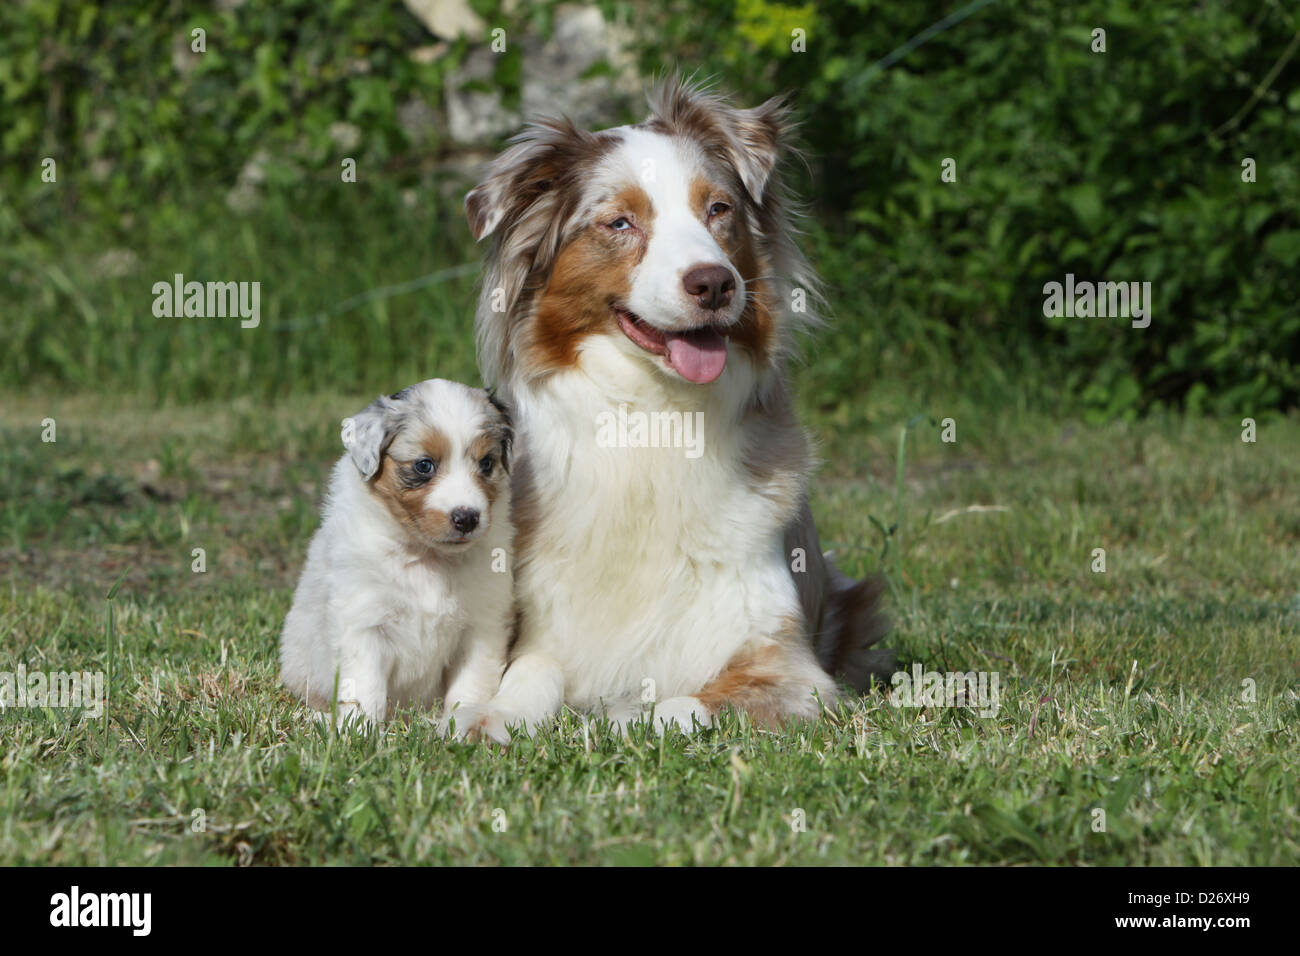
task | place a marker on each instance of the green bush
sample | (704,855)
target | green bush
(115,94)
(1117,166)
(149,137)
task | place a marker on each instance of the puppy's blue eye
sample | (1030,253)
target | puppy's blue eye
(425,466)
(486,464)
(717,209)
(621,224)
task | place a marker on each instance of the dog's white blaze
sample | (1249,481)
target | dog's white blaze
(456,488)
(664,168)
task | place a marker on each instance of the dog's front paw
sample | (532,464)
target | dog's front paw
(476,722)
(623,715)
(684,713)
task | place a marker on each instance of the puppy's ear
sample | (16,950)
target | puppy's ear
(505,428)
(368,433)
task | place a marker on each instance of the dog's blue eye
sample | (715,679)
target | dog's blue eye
(620,224)
(425,466)
(717,209)
(486,464)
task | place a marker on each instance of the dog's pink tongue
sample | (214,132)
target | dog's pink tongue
(698,356)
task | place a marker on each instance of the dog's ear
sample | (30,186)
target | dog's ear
(758,136)
(368,433)
(505,428)
(751,141)
(530,169)
(485,204)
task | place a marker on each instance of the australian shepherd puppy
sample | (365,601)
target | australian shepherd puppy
(406,594)
(651,270)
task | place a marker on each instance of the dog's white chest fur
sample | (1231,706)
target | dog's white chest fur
(644,564)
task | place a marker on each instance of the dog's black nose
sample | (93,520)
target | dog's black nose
(710,286)
(465,520)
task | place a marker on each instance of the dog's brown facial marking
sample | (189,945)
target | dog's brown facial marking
(721,206)
(591,274)
(489,458)
(756,329)
(407,474)
(528,202)
(631,202)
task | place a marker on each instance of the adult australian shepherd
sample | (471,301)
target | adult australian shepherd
(653,269)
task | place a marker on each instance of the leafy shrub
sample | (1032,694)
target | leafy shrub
(117,96)
(1117,166)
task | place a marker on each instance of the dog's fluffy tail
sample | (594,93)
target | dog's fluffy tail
(851,625)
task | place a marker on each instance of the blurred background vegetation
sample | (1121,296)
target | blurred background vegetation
(1123,165)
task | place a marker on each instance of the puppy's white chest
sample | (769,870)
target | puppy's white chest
(429,606)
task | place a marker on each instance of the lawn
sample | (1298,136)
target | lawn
(1162,691)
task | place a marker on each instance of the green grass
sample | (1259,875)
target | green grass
(1121,691)
(78,299)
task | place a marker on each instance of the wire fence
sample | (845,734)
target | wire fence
(371,295)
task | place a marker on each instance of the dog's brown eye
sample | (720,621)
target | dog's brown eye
(717,209)
(425,466)
(486,464)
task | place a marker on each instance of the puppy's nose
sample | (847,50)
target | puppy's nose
(464,520)
(710,286)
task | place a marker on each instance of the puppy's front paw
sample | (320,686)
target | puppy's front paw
(476,722)
(348,716)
